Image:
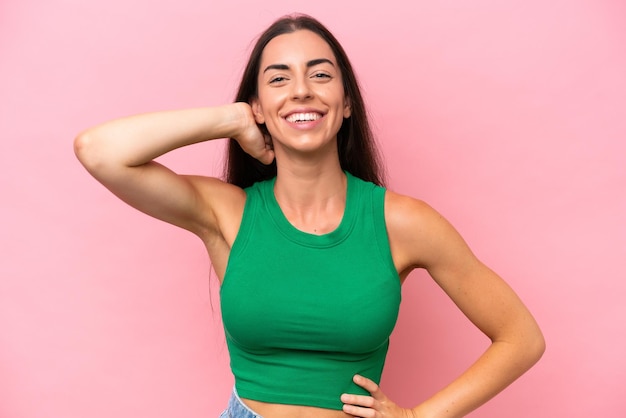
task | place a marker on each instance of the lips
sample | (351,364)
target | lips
(303,117)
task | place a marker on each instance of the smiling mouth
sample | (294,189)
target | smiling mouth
(303,117)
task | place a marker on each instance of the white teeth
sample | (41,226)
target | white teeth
(303,117)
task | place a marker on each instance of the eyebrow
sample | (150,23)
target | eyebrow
(309,64)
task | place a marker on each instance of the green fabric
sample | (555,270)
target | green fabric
(303,313)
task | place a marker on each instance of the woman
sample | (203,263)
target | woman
(310,250)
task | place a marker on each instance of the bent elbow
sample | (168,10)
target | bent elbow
(83,148)
(538,346)
(90,151)
(532,346)
(528,345)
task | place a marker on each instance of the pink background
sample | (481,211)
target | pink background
(508,117)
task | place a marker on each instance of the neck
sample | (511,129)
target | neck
(303,177)
(311,196)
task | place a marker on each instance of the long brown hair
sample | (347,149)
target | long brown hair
(355,141)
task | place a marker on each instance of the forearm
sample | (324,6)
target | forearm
(499,366)
(136,140)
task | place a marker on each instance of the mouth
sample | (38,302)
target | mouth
(303,117)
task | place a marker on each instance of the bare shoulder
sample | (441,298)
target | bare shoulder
(419,235)
(403,211)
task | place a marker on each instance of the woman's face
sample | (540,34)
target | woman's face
(301,99)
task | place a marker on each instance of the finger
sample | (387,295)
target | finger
(263,153)
(369,385)
(359,400)
(266,154)
(267,157)
(357,411)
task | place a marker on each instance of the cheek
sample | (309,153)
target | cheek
(270,102)
(271,124)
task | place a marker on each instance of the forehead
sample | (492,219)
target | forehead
(296,47)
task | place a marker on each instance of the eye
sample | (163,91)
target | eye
(321,75)
(278,79)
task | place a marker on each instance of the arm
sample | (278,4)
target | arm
(425,239)
(422,238)
(120,155)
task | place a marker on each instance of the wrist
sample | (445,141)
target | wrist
(242,118)
(420,411)
(225,121)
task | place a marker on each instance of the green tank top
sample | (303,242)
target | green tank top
(304,313)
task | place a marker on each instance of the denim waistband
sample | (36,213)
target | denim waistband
(237,409)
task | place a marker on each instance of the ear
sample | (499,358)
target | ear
(347,108)
(257,111)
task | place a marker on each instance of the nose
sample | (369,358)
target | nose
(301,90)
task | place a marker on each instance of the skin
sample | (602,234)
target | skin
(299,73)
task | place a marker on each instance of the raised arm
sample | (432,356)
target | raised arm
(421,237)
(120,155)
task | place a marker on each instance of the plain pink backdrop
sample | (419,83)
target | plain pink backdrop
(508,117)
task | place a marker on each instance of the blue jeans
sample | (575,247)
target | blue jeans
(237,409)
